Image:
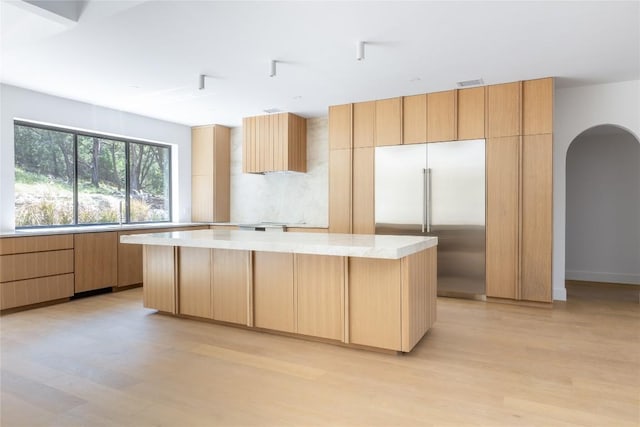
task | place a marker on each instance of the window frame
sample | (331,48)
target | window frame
(126,140)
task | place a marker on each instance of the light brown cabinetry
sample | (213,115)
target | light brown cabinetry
(414,119)
(159,276)
(340,190)
(364,124)
(537,102)
(320,295)
(363,220)
(231,275)
(441,116)
(471,113)
(273,291)
(503,110)
(340,122)
(389,122)
(210,173)
(96,260)
(194,282)
(35,269)
(276,142)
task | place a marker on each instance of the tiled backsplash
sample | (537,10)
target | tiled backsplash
(283,197)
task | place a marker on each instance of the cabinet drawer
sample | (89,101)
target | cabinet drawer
(33,291)
(19,245)
(36,264)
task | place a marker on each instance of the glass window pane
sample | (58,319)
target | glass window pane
(44,176)
(149,180)
(101,180)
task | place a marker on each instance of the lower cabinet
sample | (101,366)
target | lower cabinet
(194,282)
(96,261)
(273,293)
(230,285)
(159,276)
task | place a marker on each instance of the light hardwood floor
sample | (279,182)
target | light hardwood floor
(105,360)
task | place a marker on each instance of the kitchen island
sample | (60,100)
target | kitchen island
(360,290)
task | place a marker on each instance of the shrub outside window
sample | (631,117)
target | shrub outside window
(64,177)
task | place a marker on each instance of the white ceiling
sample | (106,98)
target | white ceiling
(145,56)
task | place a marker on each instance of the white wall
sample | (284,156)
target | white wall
(603,209)
(18,103)
(291,198)
(576,110)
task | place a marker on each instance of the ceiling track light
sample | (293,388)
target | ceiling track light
(272,68)
(360,51)
(201,81)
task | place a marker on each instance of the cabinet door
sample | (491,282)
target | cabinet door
(96,261)
(35,264)
(201,150)
(389,122)
(537,189)
(375,303)
(130,260)
(248,144)
(202,198)
(320,291)
(340,191)
(194,282)
(471,113)
(414,119)
(364,124)
(537,106)
(441,116)
(503,110)
(363,221)
(230,269)
(340,121)
(502,216)
(273,297)
(159,290)
(221,174)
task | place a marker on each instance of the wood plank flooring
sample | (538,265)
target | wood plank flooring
(107,361)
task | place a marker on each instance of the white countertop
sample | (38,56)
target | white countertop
(354,245)
(76,229)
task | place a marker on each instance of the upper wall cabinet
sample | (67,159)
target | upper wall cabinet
(275,142)
(441,116)
(414,119)
(210,173)
(389,121)
(364,124)
(503,110)
(471,113)
(340,121)
(537,106)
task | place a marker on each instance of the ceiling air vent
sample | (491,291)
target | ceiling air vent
(468,83)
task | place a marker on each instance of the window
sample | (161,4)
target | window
(64,177)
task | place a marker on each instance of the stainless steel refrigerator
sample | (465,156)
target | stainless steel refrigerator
(437,189)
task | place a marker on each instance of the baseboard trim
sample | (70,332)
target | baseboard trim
(560,294)
(594,276)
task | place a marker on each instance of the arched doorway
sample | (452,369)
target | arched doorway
(603,213)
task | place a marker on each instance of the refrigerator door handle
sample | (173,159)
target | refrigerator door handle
(427,186)
(424,199)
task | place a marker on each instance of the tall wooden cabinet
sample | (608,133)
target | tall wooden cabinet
(210,173)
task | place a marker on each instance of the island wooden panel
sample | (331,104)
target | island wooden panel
(159,290)
(537,218)
(194,282)
(364,124)
(375,303)
(33,291)
(471,113)
(18,245)
(441,116)
(320,290)
(230,285)
(273,292)
(414,119)
(35,264)
(340,121)
(419,295)
(502,216)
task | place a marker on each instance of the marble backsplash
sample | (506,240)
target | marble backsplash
(288,197)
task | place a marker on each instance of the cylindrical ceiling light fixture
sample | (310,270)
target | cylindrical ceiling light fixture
(272,68)
(201,81)
(360,51)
